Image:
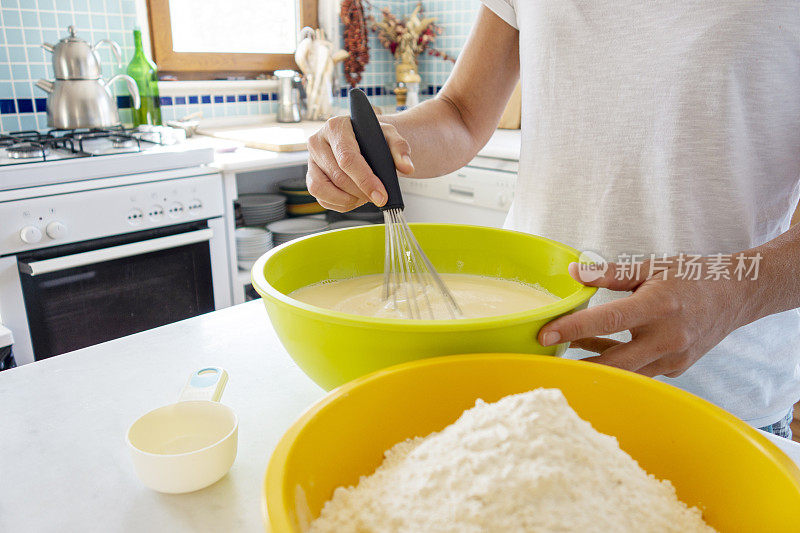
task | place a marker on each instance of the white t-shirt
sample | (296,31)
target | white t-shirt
(668,127)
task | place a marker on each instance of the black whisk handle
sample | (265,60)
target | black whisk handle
(374,147)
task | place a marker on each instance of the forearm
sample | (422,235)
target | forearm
(440,140)
(775,286)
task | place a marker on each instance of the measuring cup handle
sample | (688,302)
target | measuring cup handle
(205,384)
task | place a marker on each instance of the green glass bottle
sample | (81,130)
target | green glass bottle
(145,73)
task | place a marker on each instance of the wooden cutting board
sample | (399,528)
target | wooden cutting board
(276,138)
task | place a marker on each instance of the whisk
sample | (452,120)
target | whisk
(411,285)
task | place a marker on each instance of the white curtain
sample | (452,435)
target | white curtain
(329,19)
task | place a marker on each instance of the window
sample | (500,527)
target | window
(196,39)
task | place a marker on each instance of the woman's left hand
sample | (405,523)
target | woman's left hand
(673,321)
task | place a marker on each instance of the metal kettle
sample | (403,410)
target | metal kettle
(76,59)
(79,97)
(74,104)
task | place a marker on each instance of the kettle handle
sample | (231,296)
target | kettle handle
(117,51)
(132,88)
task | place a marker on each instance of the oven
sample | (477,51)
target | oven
(82,267)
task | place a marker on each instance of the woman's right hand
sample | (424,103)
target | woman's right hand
(339,176)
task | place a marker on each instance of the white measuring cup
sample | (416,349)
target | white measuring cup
(188,445)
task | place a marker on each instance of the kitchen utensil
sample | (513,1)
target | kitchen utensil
(411,283)
(291,97)
(190,444)
(304,41)
(345,346)
(739,480)
(73,104)
(75,59)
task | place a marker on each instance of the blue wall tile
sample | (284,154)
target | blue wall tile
(24,105)
(7,106)
(16,54)
(9,122)
(11,17)
(14,36)
(29,19)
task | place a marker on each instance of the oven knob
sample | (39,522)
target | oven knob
(30,234)
(56,230)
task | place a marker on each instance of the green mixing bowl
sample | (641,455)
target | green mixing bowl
(334,348)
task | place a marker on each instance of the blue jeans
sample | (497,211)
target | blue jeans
(781,428)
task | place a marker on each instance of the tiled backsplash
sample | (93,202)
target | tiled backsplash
(454,16)
(25,24)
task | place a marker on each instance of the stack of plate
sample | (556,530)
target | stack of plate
(299,201)
(260,209)
(292,228)
(251,243)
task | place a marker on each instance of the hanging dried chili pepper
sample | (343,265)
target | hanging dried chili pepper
(355,40)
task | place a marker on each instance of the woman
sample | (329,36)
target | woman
(660,130)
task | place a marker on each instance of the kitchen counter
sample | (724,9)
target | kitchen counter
(232,156)
(64,464)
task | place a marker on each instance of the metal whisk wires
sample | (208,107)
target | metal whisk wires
(410,283)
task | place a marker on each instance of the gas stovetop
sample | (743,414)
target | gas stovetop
(32,158)
(24,147)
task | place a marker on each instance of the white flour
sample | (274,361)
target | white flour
(525,463)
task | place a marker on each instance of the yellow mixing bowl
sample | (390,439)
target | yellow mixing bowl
(740,480)
(333,348)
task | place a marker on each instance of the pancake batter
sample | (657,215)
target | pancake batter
(478,296)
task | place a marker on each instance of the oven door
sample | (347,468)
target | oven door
(82,294)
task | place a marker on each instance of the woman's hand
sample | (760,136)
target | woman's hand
(338,176)
(673,321)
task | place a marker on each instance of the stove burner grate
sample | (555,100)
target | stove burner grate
(30,146)
(27,150)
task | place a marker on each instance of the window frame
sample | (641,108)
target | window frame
(206,65)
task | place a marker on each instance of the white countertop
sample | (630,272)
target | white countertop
(64,465)
(232,156)
(504,144)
